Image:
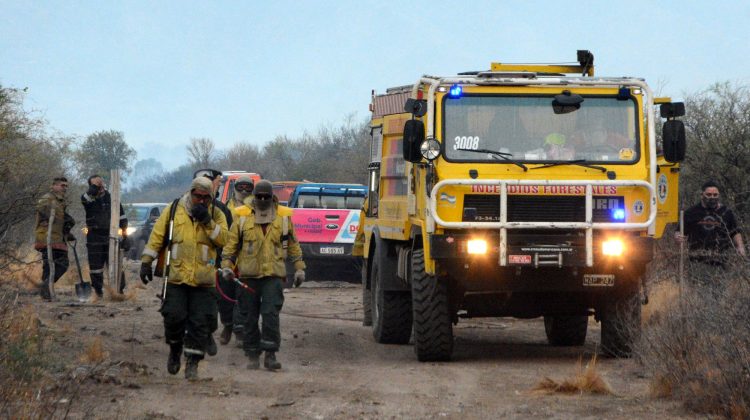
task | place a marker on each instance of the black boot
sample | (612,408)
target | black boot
(270,362)
(173,363)
(253,361)
(226,335)
(44,291)
(191,368)
(211,348)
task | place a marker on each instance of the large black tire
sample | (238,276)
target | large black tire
(566,330)
(391,311)
(366,299)
(433,327)
(621,325)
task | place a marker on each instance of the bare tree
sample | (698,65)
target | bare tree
(718,129)
(202,152)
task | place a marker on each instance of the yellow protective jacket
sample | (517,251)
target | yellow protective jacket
(193,258)
(44,207)
(262,255)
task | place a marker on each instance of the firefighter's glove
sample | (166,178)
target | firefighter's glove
(93,191)
(299,277)
(227,274)
(146,274)
(200,213)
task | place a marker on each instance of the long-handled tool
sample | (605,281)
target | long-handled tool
(166,262)
(83,289)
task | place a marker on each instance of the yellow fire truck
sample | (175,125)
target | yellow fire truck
(527,190)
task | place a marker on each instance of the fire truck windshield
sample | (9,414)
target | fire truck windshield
(526,129)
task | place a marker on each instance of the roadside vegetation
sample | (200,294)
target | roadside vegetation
(696,338)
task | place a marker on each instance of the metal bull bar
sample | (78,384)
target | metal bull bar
(589,225)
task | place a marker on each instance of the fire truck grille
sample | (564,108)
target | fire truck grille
(525,208)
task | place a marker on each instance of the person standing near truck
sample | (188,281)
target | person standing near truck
(97,202)
(259,242)
(189,308)
(53,201)
(712,234)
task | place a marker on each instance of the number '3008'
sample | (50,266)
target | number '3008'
(466,142)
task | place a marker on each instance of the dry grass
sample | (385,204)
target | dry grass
(697,341)
(94,353)
(586,380)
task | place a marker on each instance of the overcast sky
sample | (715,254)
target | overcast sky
(167,71)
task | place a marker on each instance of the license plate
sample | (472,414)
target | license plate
(599,280)
(335,250)
(519,259)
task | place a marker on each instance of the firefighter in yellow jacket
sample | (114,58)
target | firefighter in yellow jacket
(189,309)
(259,242)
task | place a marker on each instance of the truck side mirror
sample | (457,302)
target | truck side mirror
(413,138)
(673,141)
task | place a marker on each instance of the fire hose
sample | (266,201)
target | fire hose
(236,281)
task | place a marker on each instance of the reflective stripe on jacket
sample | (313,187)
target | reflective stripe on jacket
(262,255)
(193,245)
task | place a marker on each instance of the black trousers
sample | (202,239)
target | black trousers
(97,244)
(264,303)
(189,317)
(226,308)
(60,259)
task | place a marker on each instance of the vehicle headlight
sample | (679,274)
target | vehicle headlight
(613,247)
(430,149)
(476,246)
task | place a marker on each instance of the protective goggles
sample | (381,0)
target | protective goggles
(243,187)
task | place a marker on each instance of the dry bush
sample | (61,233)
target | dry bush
(28,386)
(585,380)
(698,348)
(94,353)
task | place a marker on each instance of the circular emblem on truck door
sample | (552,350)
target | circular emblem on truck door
(662,188)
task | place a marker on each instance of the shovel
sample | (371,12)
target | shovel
(83,289)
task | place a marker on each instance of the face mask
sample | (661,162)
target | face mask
(262,204)
(711,203)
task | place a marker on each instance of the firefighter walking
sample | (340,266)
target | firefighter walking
(258,244)
(189,308)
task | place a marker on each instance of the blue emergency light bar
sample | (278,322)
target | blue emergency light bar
(455,91)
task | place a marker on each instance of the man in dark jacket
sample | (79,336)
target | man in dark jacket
(712,233)
(98,205)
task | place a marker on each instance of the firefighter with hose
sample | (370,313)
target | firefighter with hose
(259,242)
(189,306)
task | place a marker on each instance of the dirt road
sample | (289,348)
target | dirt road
(332,368)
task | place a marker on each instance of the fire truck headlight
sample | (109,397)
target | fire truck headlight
(476,246)
(613,247)
(430,149)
